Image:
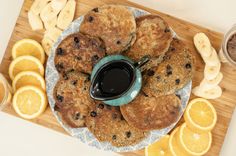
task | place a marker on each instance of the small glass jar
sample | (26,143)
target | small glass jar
(224,54)
(5,92)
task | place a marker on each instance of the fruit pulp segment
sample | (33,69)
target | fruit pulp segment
(159,148)
(29,102)
(26,65)
(175,146)
(28,80)
(201,114)
(194,141)
(28,49)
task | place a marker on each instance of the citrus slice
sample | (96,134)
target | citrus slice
(29,102)
(174,147)
(200,115)
(192,142)
(25,63)
(159,148)
(28,78)
(28,47)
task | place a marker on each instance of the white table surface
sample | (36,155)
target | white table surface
(22,138)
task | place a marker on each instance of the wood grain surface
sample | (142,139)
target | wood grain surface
(224,105)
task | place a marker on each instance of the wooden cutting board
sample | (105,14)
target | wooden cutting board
(224,105)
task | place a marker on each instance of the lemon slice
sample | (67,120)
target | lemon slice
(200,115)
(159,148)
(192,142)
(25,63)
(174,147)
(28,47)
(28,78)
(29,102)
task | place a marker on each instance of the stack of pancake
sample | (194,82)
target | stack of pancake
(109,30)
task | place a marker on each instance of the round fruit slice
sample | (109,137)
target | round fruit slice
(209,84)
(174,148)
(28,78)
(211,72)
(213,59)
(192,142)
(200,115)
(29,102)
(25,63)
(47,45)
(28,47)
(213,93)
(203,44)
(159,148)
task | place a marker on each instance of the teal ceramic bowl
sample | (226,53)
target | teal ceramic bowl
(132,92)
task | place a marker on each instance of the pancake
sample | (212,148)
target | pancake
(72,98)
(74,116)
(153,38)
(172,74)
(114,24)
(151,113)
(79,52)
(107,124)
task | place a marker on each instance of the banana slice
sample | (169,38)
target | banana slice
(213,93)
(38,6)
(53,33)
(203,44)
(210,72)
(35,21)
(213,59)
(58,4)
(48,13)
(66,16)
(51,23)
(208,84)
(47,45)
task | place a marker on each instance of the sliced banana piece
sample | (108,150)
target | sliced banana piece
(53,33)
(38,6)
(58,4)
(210,72)
(212,93)
(203,44)
(66,16)
(35,21)
(208,84)
(47,45)
(213,59)
(51,23)
(48,13)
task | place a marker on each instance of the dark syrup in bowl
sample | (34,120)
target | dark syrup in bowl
(112,80)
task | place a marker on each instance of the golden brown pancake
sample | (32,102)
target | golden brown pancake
(150,113)
(72,98)
(114,24)
(172,74)
(79,52)
(153,37)
(107,124)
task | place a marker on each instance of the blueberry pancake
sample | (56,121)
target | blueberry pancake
(72,98)
(74,116)
(114,24)
(79,52)
(150,113)
(153,38)
(107,124)
(172,74)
